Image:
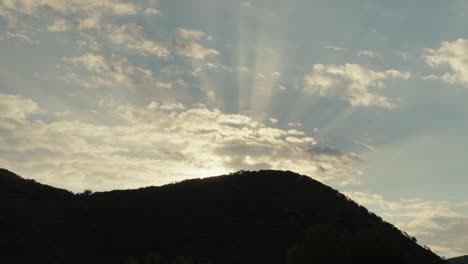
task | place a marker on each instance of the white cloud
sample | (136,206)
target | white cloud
(88,13)
(455,56)
(125,33)
(164,85)
(190,34)
(351,82)
(295,124)
(73,6)
(59,25)
(92,21)
(368,53)
(18,36)
(437,224)
(134,37)
(89,42)
(332,47)
(149,47)
(165,106)
(16,108)
(273,120)
(158,143)
(90,62)
(189,47)
(109,72)
(195,50)
(151,11)
(430,77)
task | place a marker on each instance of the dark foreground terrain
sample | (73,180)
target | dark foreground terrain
(459,260)
(270,217)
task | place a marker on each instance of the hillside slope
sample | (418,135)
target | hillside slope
(459,260)
(248,217)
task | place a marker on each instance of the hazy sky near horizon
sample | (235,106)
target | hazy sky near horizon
(369,97)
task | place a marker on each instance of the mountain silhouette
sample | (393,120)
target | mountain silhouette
(459,260)
(247,217)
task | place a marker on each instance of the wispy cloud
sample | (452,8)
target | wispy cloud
(114,71)
(332,47)
(368,53)
(190,34)
(85,14)
(134,37)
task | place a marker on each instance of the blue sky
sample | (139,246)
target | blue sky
(366,96)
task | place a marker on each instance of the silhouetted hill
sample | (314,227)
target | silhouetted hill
(247,217)
(459,260)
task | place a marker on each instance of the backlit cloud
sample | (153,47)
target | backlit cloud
(194,50)
(455,56)
(115,71)
(190,34)
(156,144)
(368,53)
(134,37)
(84,13)
(59,25)
(351,82)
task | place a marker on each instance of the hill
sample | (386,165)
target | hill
(247,217)
(459,260)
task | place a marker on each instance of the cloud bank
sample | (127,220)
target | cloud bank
(156,144)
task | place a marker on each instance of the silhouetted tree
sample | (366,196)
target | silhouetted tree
(373,244)
(87,193)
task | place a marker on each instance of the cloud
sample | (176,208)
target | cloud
(437,224)
(151,12)
(91,62)
(89,6)
(18,36)
(16,108)
(190,34)
(443,232)
(188,46)
(351,82)
(100,71)
(134,37)
(59,25)
(158,143)
(368,53)
(85,13)
(295,124)
(332,47)
(455,56)
(165,106)
(89,42)
(194,50)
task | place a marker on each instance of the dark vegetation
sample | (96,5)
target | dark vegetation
(248,217)
(459,260)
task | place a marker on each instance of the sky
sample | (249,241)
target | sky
(369,97)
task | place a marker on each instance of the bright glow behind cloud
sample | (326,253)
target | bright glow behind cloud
(157,144)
